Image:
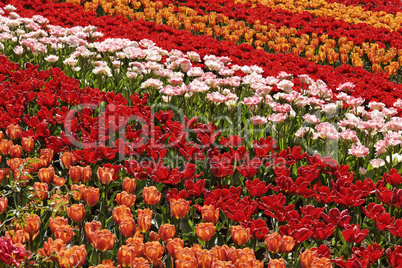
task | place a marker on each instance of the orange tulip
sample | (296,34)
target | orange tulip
(46,155)
(221,252)
(56,222)
(121,212)
(33,164)
(321,263)
(287,244)
(105,264)
(151,195)
(27,144)
(137,243)
(40,190)
(2,173)
(173,244)
(13,132)
(105,174)
(64,232)
(3,204)
(125,198)
(307,257)
(5,145)
(210,214)
(205,231)
(17,237)
(86,174)
(186,261)
(52,248)
(90,228)
(68,159)
(103,240)
(129,185)
(275,243)
(179,208)
(15,163)
(153,250)
(166,232)
(91,196)
(73,257)
(46,174)
(75,174)
(222,264)
(32,225)
(205,258)
(15,151)
(277,263)
(140,263)
(77,191)
(153,236)
(76,212)
(126,255)
(240,235)
(59,181)
(1,135)
(127,227)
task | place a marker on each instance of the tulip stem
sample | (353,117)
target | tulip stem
(178,228)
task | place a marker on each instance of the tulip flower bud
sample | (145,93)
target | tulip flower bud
(186,261)
(153,236)
(67,159)
(166,232)
(32,224)
(46,156)
(137,243)
(210,214)
(205,258)
(15,151)
(153,250)
(277,263)
(129,185)
(103,240)
(27,144)
(3,204)
(40,190)
(75,174)
(127,227)
(126,255)
(205,231)
(240,235)
(223,264)
(273,242)
(33,165)
(139,263)
(86,174)
(59,181)
(151,195)
(57,222)
(5,146)
(125,198)
(76,212)
(173,244)
(73,257)
(105,175)
(65,233)
(91,196)
(179,208)
(307,257)
(287,244)
(52,248)
(90,228)
(121,212)
(15,163)
(77,191)
(46,174)
(13,132)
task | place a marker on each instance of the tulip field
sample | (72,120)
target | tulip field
(211,134)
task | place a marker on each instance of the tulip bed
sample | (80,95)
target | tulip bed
(150,146)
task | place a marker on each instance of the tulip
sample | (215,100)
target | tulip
(205,258)
(105,174)
(153,250)
(32,225)
(103,240)
(86,174)
(40,190)
(210,214)
(129,185)
(153,236)
(59,181)
(277,263)
(46,174)
(287,244)
(126,255)
(151,195)
(64,232)
(173,244)
(240,235)
(166,232)
(15,151)
(125,198)
(205,231)
(273,241)
(137,243)
(76,212)
(3,204)
(223,264)
(121,212)
(2,173)
(321,263)
(13,132)
(52,248)
(5,146)
(221,252)
(33,165)
(1,135)
(186,261)
(46,155)
(179,208)
(68,159)
(127,227)
(19,236)
(75,174)
(140,263)
(91,196)
(90,228)
(27,144)
(144,220)
(15,163)
(56,222)
(59,201)
(77,191)
(307,257)
(73,257)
